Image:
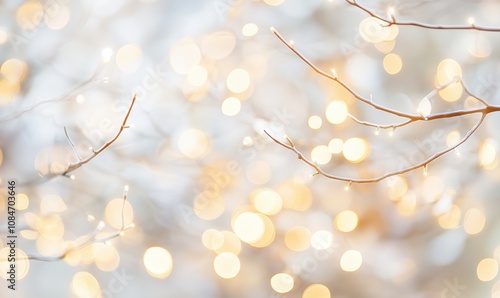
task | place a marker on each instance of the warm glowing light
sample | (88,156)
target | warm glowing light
(298,239)
(238,80)
(470,21)
(14,70)
(184,55)
(22,201)
(336,112)
(322,239)
(106,257)
(487,153)
(487,269)
(448,70)
(282,282)
(231,106)
(321,155)
(29,14)
(392,63)
(217,45)
(85,285)
(450,219)
(193,143)
(407,204)
(250,29)
(258,172)
(385,47)
(452,138)
(274,2)
(316,291)
(129,58)
(315,122)
(114,213)
(451,93)
(374,30)
(158,262)
(296,196)
(52,203)
(267,201)
(355,150)
(335,146)
(208,208)
(227,265)
(398,186)
(351,260)
(106,54)
(474,221)
(197,75)
(425,107)
(59,17)
(22,263)
(249,227)
(346,221)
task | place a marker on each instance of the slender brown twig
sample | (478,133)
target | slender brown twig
(410,118)
(81,162)
(391,20)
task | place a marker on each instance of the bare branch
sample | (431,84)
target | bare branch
(392,21)
(124,125)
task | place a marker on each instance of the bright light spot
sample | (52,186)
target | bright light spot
(106,54)
(355,150)
(227,265)
(249,227)
(452,138)
(447,70)
(321,155)
(373,30)
(29,15)
(197,75)
(487,153)
(316,291)
(335,146)
(470,21)
(114,213)
(298,239)
(424,107)
(250,29)
(14,70)
(474,221)
(238,80)
(487,269)
(282,282)
(193,143)
(106,257)
(158,262)
(296,196)
(85,285)
(407,204)
(450,219)
(274,2)
(22,201)
(336,112)
(231,106)
(80,99)
(267,201)
(451,93)
(385,47)
(258,172)
(392,63)
(346,221)
(315,122)
(57,18)
(398,186)
(351,260)
(52,203)
(129,58)
(22,263)
(322,239)
(218,45)
(184,55)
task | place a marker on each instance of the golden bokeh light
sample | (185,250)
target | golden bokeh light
(450,219)
(385,47)
(231,106)
(321,239)
(218,45)
(355,150)
(184,55)
(336,112)
(346,221)
(274,2)
(114,213)
(282,282)
(351,260)
(374,30)
(106,257)
(227,265)
(193,143)
(238,80)
(230,243)
(268,235)
(398,186)
(474,221)
(207,236)
(208,208)
(30,14)
(487,269)
(85,285)
(8,91)
(14,70)
(298,238)
(58,19)
(296,195)
(448,70)
(197,75)
(250,29)
(452,138)
(335,146)
(407,205)
(315,122)
(52,203)
(267,201)
(129,58)
(22,201)
(22,263)
(321,155)
(392,63)
(451,93)
(316,291)
(249,227)
(158,262)
(488,153)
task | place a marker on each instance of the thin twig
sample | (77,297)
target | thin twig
(90,239)
(124,125)
(392,21)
